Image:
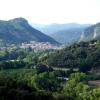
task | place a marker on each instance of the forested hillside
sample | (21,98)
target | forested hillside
(26,74)
(85,55)
(18,30)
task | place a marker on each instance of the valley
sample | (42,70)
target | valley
(36,66)
(49,50)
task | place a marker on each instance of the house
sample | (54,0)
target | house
(94,83)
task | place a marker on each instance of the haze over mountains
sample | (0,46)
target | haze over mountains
(68,36)
(53,28)
(18,30)
(63,33)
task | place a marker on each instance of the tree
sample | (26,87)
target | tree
(73,87)
(46,81)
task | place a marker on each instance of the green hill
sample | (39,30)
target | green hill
(85,56)
(18,30)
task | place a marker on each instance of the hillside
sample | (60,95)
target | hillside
(91,33)
(18,30)
(85,56)
(68,36)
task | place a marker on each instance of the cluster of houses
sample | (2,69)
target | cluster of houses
(40,45)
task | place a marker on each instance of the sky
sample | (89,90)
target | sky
(51,11)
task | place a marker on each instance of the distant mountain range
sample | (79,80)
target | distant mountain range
(18,30)
(53,28)
(68,36)
(90,33)
(63,33)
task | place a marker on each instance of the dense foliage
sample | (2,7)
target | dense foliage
(26,74)
(14,85)
(26,84)
(85,55)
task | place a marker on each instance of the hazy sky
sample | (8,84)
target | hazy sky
(51,11)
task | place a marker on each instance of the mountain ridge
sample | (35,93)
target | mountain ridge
(67,33)
(54,27)
(68,36)
(18,30)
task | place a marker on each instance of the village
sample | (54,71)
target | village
(40,45)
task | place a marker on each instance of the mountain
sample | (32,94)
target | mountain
(90,33)
(68,36)
(18,30)
(63,33)
(54,28)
